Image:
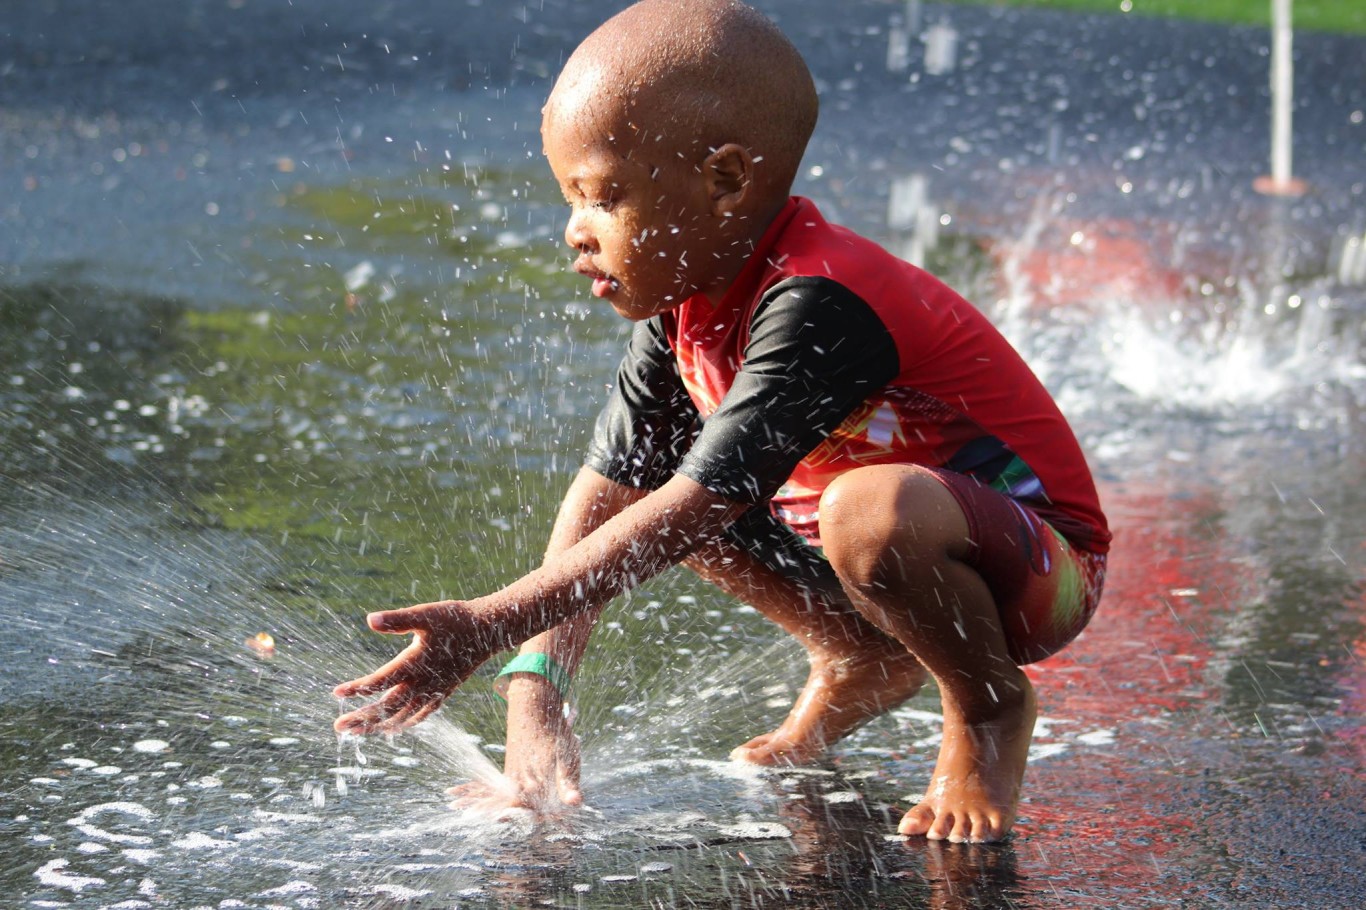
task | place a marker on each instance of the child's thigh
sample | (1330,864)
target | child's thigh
(1045,589)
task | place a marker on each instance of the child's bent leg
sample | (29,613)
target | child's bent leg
(898,539)
(856,671)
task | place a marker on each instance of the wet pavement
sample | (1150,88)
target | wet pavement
(286,336)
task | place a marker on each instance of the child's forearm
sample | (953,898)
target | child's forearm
(590,501)
(635,544)
(596,518)
(535,705)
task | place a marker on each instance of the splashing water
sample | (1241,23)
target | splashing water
(168,760)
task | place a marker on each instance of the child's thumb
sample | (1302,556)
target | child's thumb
(421,618)
(391,621)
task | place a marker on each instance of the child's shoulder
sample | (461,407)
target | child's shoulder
(809,245)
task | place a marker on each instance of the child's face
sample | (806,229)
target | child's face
(640,216)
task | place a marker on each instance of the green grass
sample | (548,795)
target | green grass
(1316,15)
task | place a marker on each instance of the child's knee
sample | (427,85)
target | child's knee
(845,522)
(887,520)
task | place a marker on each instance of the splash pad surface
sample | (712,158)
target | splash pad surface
(287,337)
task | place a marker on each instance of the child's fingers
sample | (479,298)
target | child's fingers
(361,722)
(357,688)
(403,703)
(386,677)
(424,711)
(400,707)
(375,717)
(476,794)
(497,801)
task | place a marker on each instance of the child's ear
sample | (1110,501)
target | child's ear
(729,171)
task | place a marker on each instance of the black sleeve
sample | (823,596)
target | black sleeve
(649,420)
(816,351)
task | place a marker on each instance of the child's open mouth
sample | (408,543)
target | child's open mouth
(603,285)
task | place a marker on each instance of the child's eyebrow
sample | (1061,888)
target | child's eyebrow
(579,181)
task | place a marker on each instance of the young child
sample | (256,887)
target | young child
(822,430)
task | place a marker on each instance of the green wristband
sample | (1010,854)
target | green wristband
(539,664)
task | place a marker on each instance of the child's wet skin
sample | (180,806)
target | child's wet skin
(841,694)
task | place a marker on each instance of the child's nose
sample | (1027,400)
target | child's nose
(576,232)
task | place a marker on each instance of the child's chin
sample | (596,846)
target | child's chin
(638,309)
(630,309)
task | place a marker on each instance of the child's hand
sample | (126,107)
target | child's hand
(542,776)
(449,643)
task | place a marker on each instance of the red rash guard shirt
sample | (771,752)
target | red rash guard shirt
(827,354)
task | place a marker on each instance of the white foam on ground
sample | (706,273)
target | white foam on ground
(925,717)
(142,857)
(755,830)
(290,889)
(400,893)
(84,822)
(1041,751)
(471,825)
(843,796)
(198,841)
(1097,738)
(52,875)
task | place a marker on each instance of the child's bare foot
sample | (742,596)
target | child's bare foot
(841,694)
(975,789)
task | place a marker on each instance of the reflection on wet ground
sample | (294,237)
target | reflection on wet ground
(259,375)
(1203,743)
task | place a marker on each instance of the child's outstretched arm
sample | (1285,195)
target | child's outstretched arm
(452,638)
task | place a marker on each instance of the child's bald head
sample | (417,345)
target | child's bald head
(674,78)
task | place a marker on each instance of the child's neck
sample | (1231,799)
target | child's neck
(745,244)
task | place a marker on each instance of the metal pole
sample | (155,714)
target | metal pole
(1282,180)
(1282,91)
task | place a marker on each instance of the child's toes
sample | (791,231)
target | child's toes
(916,821)
(978,828)
(970,829)
(947,826)
(991,829)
